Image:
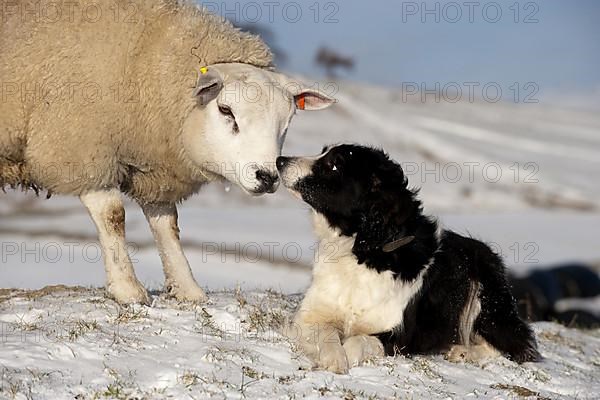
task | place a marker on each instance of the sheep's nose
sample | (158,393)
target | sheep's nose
(268,181)
(282,162)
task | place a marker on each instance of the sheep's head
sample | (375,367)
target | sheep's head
(237,128)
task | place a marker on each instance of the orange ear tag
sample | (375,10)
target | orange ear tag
(300,102)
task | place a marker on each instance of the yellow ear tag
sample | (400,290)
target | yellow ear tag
(300,102)
(203,70)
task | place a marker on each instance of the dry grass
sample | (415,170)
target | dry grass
(262,318)
(519,391)
(423,366)
(559,339)
(208,326)
(81,328)
(130,314)
(189,379)
(8,294)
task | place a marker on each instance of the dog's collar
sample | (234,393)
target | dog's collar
(396,244)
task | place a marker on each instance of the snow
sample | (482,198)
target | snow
(541,209)
(65,343)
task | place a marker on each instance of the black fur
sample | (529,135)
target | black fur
(362,192)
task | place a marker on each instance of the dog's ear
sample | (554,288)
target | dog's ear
(376,183)
(390,205)
(390,196)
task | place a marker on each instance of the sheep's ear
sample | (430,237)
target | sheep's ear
(305,97)
(312,100)
(209,85)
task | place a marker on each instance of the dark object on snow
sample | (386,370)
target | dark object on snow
(332,60)
(538,293)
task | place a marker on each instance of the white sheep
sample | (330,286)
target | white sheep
(103,97)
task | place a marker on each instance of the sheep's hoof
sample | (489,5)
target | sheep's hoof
(188,294)
(129,293)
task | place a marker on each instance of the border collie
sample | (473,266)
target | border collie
(386,279)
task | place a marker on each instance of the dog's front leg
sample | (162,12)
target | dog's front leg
(179,280)
(320,341)
(361,348)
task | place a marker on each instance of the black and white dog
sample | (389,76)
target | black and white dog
(386,279)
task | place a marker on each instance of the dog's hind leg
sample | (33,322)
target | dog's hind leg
(508,333)
(470,313)
(472,347)
(477,350)
(498,322)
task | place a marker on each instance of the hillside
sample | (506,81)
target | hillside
(521,176)
(65,343)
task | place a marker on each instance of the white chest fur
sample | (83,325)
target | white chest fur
(355,299)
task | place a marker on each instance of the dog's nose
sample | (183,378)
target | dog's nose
(281,162)
(268,181)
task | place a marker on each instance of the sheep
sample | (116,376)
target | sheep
(149,99)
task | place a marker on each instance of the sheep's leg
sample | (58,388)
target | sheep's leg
(106,209)
(179,280)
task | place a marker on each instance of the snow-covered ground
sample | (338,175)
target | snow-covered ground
(521,176)
(65,344)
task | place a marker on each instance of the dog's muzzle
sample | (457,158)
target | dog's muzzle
(286,168)
(282,162)
(292,169)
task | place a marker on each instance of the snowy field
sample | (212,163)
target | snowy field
(522,177)
(67,344)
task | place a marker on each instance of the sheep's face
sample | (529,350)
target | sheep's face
(238,126)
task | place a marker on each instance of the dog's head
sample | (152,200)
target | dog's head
(361,191)
(350,185)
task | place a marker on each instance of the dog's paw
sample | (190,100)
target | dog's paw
(332,357)
(471,354)
(457,353)
(361,348)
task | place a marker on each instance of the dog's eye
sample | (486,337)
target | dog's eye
(333,162)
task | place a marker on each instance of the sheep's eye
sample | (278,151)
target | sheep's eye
(226,111)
